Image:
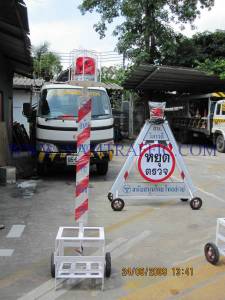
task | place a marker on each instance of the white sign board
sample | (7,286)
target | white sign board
(177,189)
(156,133)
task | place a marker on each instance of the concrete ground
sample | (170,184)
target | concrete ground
(146,234)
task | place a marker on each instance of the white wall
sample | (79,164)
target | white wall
(19,97)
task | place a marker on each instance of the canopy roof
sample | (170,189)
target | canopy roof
(14,30)
(64,75)
(167,79)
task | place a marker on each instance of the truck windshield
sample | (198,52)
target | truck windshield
(56,103)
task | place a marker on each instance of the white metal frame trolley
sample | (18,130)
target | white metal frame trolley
(80,251)
(158,155)
(213,251)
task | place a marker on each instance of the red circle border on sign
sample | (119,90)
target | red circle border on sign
(173,163)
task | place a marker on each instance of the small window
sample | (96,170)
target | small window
(223,109)
(218,109)
(1,108)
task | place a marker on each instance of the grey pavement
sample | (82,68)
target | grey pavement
(147,233)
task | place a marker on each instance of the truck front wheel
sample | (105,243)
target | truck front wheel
(102,168)
(220,143)
(41,169)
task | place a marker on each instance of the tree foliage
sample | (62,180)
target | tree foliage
(146,25)
(190,52)
(46,63)
(113,74)
(213,67)
(205,51)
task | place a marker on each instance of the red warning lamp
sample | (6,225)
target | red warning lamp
(85,66)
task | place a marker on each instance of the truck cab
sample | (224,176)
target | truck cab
(201,115)
(56,126)
(218,125)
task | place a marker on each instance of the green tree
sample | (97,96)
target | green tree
(147,23)
(46,63)
(113,74)
(213,67)
(191,52)
(180,51)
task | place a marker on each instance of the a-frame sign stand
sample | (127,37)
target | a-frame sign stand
(158,155)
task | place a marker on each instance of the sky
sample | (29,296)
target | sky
(61,23)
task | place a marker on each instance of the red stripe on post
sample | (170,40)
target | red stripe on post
(83,161)
(126,175)
(84,110)
(81,186)
(83,136)
(182,175)
(80,210)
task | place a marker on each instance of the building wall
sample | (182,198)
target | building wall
(21,96)
(6,83)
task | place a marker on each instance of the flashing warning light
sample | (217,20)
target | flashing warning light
(157,112)
(85,66)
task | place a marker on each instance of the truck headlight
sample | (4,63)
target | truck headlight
(47,147)
(104,147)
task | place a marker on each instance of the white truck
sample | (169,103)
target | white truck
(54,125)
(201,115)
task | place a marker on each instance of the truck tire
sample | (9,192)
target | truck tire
(220,143)
(184,136)
(102,168)
(41,169)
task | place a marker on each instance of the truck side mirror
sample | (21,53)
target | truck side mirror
(27,109)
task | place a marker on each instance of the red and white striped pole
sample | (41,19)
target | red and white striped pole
(83,159)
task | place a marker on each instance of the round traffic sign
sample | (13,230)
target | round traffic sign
(156,163)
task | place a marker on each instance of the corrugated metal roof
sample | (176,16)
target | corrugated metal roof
(14,30)
(164,78)
(64,75)
(108,86)
(112,86)
(26,83)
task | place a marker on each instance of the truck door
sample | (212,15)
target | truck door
(219,126)
(212,105)
(219,118)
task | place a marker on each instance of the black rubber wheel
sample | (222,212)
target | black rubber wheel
(212,254)
(107,264)
(52,266)
(184,199)
(117,204)
(110,197)
(102,168)
(220,143)
(184,136)
(196,203)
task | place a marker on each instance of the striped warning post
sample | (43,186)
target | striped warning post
(83,158)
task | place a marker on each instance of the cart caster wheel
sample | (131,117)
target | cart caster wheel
(52,266)
(110,197)
(196,203)
(117,204)
(107,264)
(184,199)
(212,254)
